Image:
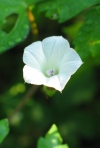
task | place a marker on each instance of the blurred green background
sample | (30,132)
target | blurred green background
(76,111)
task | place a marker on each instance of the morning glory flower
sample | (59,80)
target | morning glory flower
(50,62)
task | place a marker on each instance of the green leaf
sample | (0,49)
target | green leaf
(52,139)
(42,143)
(87,41)
(54,134)
(72,30)
(31,2)
(48,91)
(62,146)
(14,25)
(4,129)
(64,9)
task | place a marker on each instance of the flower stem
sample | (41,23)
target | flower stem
(27,96)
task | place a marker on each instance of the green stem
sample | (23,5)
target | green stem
(27,96)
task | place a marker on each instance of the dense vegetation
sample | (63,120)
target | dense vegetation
(32,110)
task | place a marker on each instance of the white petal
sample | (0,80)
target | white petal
(63,78)
(54,53)
(70,62)
(34,56)
(54,48)
(58,81)
(53,82)
(33,76)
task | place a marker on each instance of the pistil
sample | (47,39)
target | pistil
(50,72)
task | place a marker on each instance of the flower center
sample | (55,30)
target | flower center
(50,72)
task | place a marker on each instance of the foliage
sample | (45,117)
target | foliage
(88,38)
(13,23)
(75,111)
(65,9)
(4,129)
(52,139)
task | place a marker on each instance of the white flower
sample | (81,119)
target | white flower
(50,62)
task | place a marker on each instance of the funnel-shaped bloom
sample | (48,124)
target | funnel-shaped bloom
(50,62)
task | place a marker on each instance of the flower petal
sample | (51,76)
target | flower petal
(54,48)
(34,56)
(58,81)
(70,62)
(63,79)
(53,82)
(54,53)
(33,76)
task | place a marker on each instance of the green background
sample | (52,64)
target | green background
(75,111)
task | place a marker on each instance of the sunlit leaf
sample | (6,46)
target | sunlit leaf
(52,139)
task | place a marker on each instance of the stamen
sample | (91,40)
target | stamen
(50,72)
